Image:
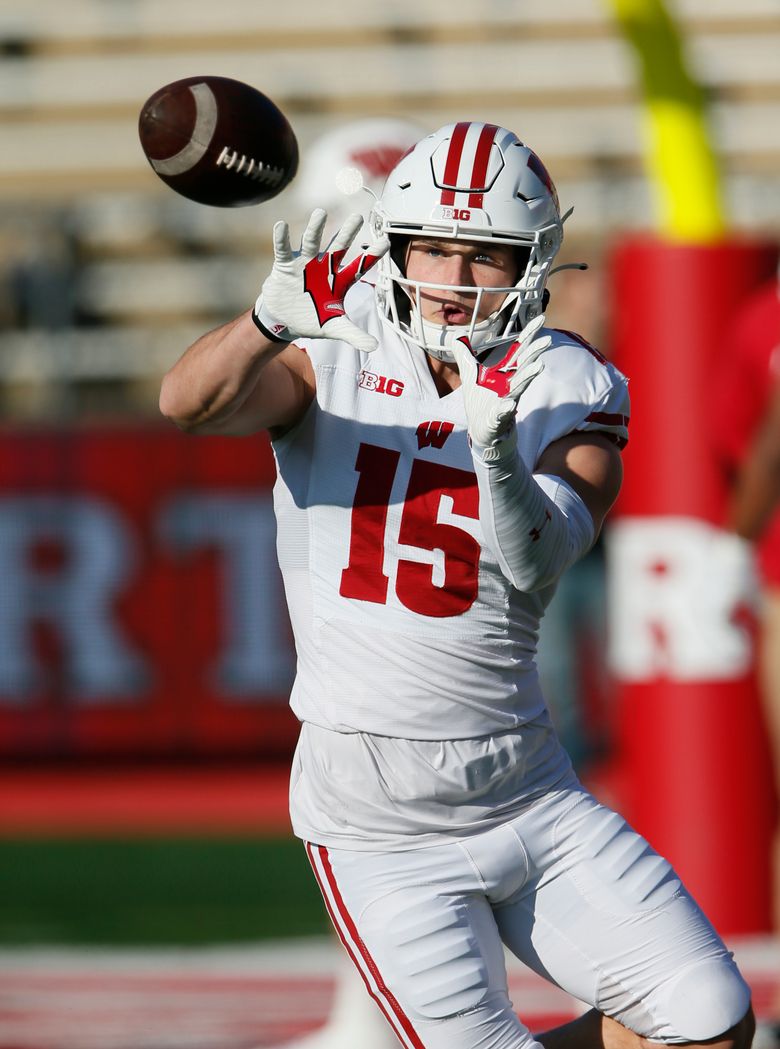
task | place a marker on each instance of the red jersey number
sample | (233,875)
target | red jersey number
(364,577)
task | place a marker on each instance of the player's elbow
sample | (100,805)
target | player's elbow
(531,580)
(174,411)
(186,412)
(542,568)
(529,574)
(185,425)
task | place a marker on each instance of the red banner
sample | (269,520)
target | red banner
(142,610)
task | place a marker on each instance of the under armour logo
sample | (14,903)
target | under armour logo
(536,533)
(433,434)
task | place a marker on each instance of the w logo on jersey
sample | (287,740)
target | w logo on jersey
(433,434)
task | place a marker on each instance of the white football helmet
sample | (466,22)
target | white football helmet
(473,182)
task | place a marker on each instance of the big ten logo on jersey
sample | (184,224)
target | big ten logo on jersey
(680,601)
(380,384)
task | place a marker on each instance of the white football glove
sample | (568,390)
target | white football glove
(490,394)
(303,295)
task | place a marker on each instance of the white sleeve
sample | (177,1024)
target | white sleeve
(535,525)
(576,393)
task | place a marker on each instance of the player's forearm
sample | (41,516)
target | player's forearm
(757,491)
(536,526)
(213,379)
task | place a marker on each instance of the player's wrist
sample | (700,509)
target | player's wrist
(273,329)
(501,451)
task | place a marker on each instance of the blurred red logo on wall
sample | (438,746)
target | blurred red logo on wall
(142,610)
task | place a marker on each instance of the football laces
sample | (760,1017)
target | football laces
(241,164)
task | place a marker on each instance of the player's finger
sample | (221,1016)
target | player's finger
(343,328)
(312,235)
(281,242)
(531,328)
(523,378)
(363,263)
(373,252)
(346,233)
(535,350)
(505,411)
(464,358)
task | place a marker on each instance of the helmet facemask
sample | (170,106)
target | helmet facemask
(401,306)
(495,191)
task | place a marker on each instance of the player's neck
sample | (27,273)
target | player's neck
(444,374)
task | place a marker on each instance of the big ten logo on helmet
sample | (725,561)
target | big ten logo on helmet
(380,384)
(462,214)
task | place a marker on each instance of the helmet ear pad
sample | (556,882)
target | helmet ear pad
(398,246)
(522,257)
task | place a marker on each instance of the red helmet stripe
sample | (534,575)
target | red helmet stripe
(452,165)
(479,172)
(541,172)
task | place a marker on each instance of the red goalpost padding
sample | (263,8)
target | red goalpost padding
(691,744)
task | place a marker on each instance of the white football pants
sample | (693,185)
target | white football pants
(572,891)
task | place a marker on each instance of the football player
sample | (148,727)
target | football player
(442,458)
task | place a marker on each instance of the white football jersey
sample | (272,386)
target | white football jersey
(416,682)
(404,624)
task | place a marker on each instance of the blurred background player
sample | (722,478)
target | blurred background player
(746,427)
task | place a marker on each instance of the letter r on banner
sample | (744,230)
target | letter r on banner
(77,599)
(676,588)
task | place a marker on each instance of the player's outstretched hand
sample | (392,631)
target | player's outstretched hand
(490,415)
(304,293)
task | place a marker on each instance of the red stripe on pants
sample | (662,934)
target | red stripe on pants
(342,915)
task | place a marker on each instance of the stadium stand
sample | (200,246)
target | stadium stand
(104,273)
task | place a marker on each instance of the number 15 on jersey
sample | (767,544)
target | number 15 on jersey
(364,578)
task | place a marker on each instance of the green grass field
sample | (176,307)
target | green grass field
(151,891)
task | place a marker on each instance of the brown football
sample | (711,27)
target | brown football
(218,141)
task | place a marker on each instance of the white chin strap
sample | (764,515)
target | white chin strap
(437,339)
